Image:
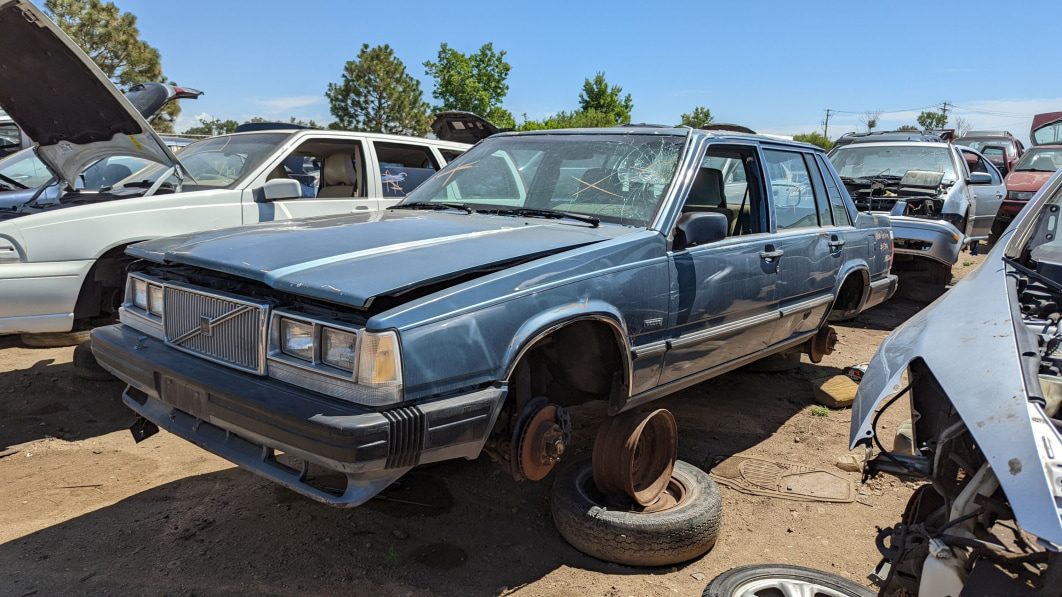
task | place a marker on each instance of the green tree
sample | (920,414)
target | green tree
(932,120)
(111,38)
(472,82)
(209,126)
(908,127)
(579,119)
(377,95)
(700,116)
(815,138)
(599,96)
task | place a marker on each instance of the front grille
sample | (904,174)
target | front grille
(229,331)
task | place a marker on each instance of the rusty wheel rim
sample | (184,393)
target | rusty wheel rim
(634,455)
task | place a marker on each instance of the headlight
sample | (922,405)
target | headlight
(378,360)
(8,252)
(140,293)
(337,349)
(1020,195)
(154,300)
(296,339)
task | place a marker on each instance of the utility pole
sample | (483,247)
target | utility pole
(944,113)
(826,124)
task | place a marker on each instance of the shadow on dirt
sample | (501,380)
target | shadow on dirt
(888,315)
(48,399)
(457,528)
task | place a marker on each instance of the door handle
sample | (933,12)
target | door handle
(769,253)
(999,195)
(361,208)
(836,242)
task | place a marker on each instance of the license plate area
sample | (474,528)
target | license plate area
(183,396)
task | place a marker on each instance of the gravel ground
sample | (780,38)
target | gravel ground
(85,510)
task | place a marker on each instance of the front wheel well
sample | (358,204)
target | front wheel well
(101,292)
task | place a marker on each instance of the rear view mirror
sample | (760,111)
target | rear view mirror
(280,188)
(980,178)
(700,228)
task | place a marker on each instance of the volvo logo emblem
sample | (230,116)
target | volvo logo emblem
(207,324)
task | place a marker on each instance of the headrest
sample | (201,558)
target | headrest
(707,189)
(339,170)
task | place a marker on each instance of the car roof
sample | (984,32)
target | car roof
(358,134)
(943,144)
(682,131)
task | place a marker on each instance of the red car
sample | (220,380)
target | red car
(1033,169)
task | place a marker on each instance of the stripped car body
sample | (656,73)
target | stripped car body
(604,264)
(995,376)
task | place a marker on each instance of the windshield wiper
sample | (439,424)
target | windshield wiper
(433,205)
(14,182)
(543,213)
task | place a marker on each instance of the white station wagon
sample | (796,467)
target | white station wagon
(62,260)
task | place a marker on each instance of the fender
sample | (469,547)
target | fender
(547,322)
(850,267)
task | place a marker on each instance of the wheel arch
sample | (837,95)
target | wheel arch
(844,277)
(89,303)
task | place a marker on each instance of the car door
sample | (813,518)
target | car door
(985,198)
(723,305)
(808,243)
(331,172)
(401,167)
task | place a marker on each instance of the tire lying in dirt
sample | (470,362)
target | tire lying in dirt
(55,339)
(85,365)
(678,534)
(781,579)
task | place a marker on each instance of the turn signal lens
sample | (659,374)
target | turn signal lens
(378,360)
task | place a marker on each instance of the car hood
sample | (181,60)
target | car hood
(352,259)
(968,341)
(1026,181)
(61,99)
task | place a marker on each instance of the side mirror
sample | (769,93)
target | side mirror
(980,178)
(700,228)
(280,188)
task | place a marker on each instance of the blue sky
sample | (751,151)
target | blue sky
(773,66)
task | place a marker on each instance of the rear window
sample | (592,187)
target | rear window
(403,167)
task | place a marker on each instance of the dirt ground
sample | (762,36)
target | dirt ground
(84,510)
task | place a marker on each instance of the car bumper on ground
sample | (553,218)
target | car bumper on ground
(933,239)
(249,419)
(40,297)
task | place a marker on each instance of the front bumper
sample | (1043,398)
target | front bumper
(40,297)
(933,239)
(247,419)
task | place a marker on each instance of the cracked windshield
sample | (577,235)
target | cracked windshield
(619,179)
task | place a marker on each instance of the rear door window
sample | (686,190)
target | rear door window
(403,167)
(841,216)
(791,191)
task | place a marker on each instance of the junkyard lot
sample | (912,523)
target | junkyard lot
(86,510)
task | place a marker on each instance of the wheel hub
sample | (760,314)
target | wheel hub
(543,439)
(822,344)
(634,455)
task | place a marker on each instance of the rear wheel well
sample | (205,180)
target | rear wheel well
(101,292)
(849,296)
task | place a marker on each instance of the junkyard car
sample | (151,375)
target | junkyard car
(938,196)
(25,178)
(535,272)
(1025,180)
(62,263)
(985,395)
(12,138)
(1001,148)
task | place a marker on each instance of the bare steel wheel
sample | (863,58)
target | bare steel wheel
(782,580)
(634,455)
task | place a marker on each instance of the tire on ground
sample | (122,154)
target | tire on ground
(737,580)
(55,339)
(676,535)
(85,365)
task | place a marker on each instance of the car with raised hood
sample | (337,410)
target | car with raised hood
(25,178)
(1032,171)
(985,393)
(938,196)
(62,262)
(535,272)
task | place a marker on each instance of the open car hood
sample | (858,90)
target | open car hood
(462,127)
(64,102)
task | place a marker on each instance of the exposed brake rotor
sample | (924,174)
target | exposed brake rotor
(542,437)
(822,344)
